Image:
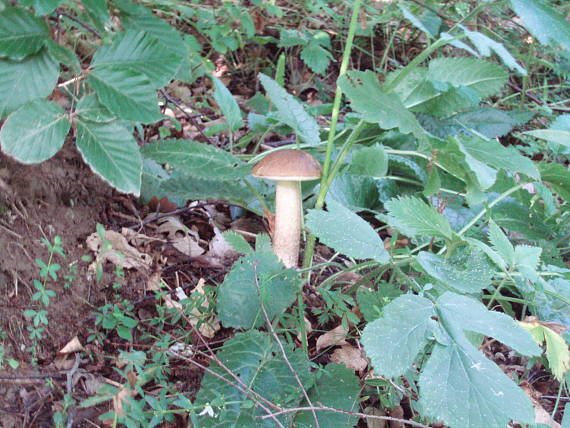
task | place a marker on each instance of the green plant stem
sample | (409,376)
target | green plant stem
(310,245)
(498,290)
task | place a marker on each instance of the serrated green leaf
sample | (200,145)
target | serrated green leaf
(493,153)
(336,387)
(228,105)
(98,12)
(557,176)
(316,57)
(23,81)
(527,259)
(369,161)
(492,254)
(141,53)
(372,302)
(481,76)
(467,271)
(21,34)
(291,37)
(197,159)
(144,20)
(259,364)
(557,352)
(35,132)
(291,112)
(90,108)
(412,217)
(377,106)
(457,373)
(501,243)
(346,232)
(393,342)
(112,152)
(237,242)
(543,22)
(486,46)
(193,188)
(126,93)
(255,279)
(428,23)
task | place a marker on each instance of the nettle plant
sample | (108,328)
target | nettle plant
(417,149)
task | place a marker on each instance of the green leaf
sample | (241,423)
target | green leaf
(486,46)
(197,159)
(369,161)
(412,217)
(91,109)
(467,271)
(486,121)
(557,177)
(291,112)
(127,93)
(228,105)
(23,81)
(256,279)
(63,55)
(393,342)
(237,242)
(259,364)
(557,352)
(527,259)
(42,7)
(336,387)
(111,152)
(377,106)
(21,34)
(346,232)
(481,76)
(555,136)
(430,24)
(316,57)
(356,192)
(372,302)
(501,243)
(141,53)
(457,373)
(493,153)
(35,132)
(543,22)
(143,20)
(191,188)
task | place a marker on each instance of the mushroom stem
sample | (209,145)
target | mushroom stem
(287,232)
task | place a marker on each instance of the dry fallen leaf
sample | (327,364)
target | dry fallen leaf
(541,416)
(121,253)
(335,337)
(74,345)
(351,357)
(182,238)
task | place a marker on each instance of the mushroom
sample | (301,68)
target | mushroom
(288,167)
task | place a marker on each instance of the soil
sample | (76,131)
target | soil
(60,197)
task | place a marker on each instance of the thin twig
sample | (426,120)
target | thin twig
(61,12)
(247,391)
(182,211)
(191,118)
(346,412)
(295,375)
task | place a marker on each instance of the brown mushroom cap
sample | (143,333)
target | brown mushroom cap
(288,165)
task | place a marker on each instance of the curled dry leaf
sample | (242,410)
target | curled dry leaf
(335,337)
(182,238)
(74,345)
(121,253)
(351,357)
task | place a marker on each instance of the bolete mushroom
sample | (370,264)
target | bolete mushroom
(288,167)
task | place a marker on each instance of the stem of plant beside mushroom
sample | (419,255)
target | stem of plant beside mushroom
(288,167)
